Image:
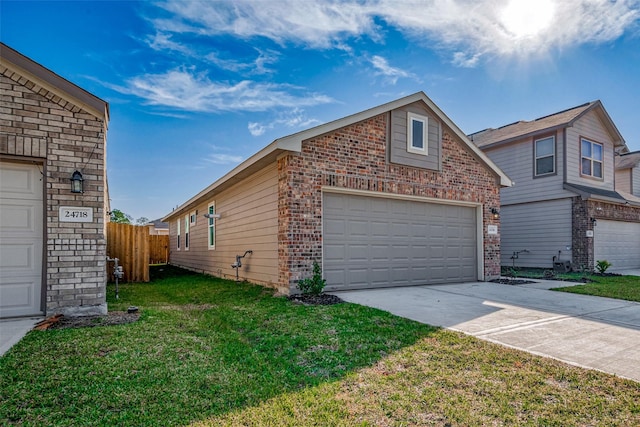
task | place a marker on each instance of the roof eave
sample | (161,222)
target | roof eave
(293,143)
(53,82)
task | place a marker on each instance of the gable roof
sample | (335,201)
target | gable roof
(293,143)
(52,82)
(628,161)
(523,129)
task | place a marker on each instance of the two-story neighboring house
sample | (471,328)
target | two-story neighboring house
(565,205)
(628,174)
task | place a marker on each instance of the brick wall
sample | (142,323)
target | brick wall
(583,211)
(40,126)
(355,157)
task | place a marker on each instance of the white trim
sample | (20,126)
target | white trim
(536,158)
(326,189)
(293,143)
(476,205)
(413,117)
(178,247)
(211,222)
(187,233)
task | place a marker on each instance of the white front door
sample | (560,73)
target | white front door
(21,239)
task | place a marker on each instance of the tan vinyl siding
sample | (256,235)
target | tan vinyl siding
(517,161)
(398,144)
(249,221)
(623,180)
(635,181)
(590,127)
(542,228)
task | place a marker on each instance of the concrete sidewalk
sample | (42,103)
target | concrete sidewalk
(591,332)
(13,330)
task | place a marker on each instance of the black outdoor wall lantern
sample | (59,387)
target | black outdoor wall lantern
(495,212)
(76,182)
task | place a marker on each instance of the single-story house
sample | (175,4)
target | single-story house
(568,209)
(392,196)
(53,192)
(158,228)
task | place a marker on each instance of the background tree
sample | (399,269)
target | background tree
(120,217)
(142,220)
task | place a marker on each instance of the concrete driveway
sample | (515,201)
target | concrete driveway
(591,332)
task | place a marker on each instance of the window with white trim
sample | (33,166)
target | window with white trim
(211,231)
(417,127)
(192,217)
(178,233)
(186,233)
(591,154)
(545,156)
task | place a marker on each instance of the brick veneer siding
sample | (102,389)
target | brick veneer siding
(355,157)
(583,211)
(39,126)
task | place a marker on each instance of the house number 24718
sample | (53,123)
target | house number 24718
(75,214)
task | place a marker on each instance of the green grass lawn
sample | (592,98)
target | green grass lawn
(619,287)
(209,352)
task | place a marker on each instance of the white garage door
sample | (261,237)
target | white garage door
(379,242)
(618,242)
(21,239)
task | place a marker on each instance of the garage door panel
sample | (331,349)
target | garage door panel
(617,242)
(19,257)
(403,243)
(21,239)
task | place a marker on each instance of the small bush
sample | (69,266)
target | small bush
(315,284)
(602,266)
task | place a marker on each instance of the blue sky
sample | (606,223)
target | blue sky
(195,87)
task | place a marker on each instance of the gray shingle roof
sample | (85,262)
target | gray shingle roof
(627,161)
(522,128)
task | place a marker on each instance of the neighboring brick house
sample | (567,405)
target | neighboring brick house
(52,240)
(628,174)
(395,195)
(567,203)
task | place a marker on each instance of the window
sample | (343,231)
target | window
(178,224)
(212,225)
(591,154)
(192,217)
(186,233)
(545,155)
(417,141)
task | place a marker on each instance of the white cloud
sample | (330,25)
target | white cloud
(383,68)
(295,118)
(258,66)
(469,29)
(163,41)
(317,24)
(184,89)
(223,159)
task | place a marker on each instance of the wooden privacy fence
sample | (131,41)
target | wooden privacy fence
(135,250)
(158,249)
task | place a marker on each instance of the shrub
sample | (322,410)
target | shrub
(315,284)
(602,266)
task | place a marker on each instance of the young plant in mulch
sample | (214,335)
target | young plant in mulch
(602,266)
(312,290)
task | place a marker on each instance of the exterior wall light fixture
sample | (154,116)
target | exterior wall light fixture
(76,182)
(208,215)
(495,212)
(594,221)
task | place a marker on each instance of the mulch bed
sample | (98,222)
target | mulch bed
(507,281)
(308,299)
(112,318)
